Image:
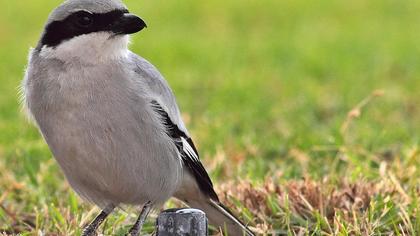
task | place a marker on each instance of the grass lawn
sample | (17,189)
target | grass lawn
(306,113)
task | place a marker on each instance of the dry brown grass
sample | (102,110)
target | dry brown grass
(272,205)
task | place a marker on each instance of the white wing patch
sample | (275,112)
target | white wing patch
(189,150)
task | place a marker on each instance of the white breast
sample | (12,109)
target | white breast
(100,128)
(93,48)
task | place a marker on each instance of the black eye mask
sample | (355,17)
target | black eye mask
(79,23)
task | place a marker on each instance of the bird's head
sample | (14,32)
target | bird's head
(88,30)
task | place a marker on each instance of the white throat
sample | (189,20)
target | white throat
(90,48)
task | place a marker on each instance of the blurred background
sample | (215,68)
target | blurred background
(275,93)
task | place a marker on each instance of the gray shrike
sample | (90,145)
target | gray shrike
(110,118)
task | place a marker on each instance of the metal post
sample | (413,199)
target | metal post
(179,222)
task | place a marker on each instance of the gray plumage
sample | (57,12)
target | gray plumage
(97,6)
(111,120)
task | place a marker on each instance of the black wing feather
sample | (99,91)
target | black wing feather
(193,164)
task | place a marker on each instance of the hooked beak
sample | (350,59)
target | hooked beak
(128,24)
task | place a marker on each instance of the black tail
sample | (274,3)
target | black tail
(220,216)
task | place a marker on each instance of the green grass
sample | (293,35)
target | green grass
(265,87)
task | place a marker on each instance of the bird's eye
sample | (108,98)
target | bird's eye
(84,19)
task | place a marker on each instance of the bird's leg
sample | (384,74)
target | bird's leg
(93,226)
(135,230)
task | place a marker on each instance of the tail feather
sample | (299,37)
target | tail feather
(220,216)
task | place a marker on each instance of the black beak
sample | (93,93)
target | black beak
(128,24)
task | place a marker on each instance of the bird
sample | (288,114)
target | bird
(111,120)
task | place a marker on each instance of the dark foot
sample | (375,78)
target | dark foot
(90,230)
(136,229)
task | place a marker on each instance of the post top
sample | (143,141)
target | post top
(183,211)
